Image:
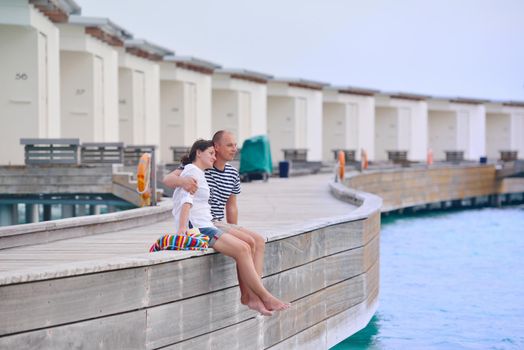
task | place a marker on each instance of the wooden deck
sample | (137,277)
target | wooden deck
(273,208)
(105,290)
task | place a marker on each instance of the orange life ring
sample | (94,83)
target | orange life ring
(143,174)
(341,164)
(364,159)
(430,156)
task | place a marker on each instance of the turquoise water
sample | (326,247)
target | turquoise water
(450,280)
(15,209)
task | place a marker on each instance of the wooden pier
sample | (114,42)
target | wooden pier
(107,291)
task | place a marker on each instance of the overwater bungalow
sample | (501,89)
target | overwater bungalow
(400,126)
(240,102)
(456,125)
(185,103)
(89,78)
(139,92)
(29,73)
(348,121)
(294,109)
(504,128)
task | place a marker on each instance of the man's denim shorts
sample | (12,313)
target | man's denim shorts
(212,232)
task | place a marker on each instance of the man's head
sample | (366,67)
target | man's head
(225,145)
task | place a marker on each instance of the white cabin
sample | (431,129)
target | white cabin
(504,128)
(294,109)
(89,78)
(29,72)
(139,92)
(401,125)
(185,103)
(457,124)
(348,121)
(240,103)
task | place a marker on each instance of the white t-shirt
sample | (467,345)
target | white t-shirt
(200,212)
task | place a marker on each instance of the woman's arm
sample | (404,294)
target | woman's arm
(184,217)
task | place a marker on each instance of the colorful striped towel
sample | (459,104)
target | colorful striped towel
(193,240)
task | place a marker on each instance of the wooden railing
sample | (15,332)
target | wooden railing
(102,153)
(295,154)
(50,151)
(348,153)
(454,156)
(398,156)
(508,156)
(179,152)
(132,153)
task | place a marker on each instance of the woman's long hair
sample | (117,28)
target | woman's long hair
(199,145)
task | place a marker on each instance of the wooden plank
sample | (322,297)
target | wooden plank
(27,306)
(124,331)
(209,312)
(349,321)
(186,278)
(313,338)
(268,331)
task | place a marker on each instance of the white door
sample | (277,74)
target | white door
(404,130)
(497,134)
(172,124)
(43,86)
(352,139)
(98,92)
(386,131)
(139,94)
(190,117)
(333,129)
(462,134)
(244,108)
(301,123)
(125,105)
(281,125)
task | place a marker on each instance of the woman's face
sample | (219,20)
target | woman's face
(207,157)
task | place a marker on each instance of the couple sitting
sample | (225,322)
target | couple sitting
(206,186)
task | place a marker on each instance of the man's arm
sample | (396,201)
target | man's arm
(174,180)
(232,210)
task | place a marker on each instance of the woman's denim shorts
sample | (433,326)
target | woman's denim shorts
(212,232)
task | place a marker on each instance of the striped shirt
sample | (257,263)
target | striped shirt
(222,185)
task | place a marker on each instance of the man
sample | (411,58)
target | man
(224,184)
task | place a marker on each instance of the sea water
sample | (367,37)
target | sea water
(449,280)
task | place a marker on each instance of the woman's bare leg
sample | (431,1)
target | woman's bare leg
(240,251)
(257,244)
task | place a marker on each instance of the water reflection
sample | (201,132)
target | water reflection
(364,339)
(23,209)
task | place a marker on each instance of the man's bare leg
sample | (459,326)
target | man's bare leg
(257,244)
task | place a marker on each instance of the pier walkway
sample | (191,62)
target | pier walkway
(106,291)
(274,208)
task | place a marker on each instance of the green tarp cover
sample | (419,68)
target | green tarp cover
(255,156)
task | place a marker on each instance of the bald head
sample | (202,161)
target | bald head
(217,137)
(225,145)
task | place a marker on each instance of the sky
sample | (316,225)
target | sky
(466,48)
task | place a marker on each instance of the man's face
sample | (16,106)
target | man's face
(226,148)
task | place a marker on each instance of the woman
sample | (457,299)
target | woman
(195,211)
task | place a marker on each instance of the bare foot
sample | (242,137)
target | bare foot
(244,299)
(258,305)
(274,304)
